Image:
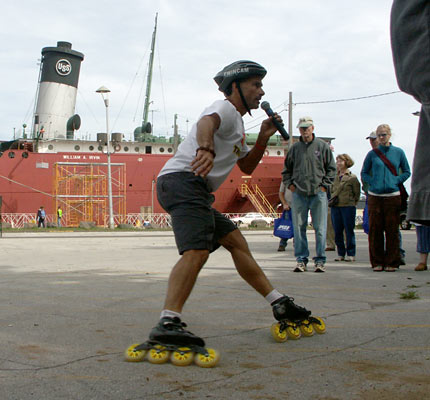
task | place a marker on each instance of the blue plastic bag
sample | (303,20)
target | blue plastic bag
(283,227)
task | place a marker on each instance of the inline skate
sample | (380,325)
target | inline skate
(294,321)
(169,340)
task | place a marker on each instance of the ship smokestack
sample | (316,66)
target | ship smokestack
(57,91)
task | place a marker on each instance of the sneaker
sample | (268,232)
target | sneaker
(378,268)
(350,258)
(319,266)
(281,248)
(330,249)
(339,259)
(421,267)
(300,267)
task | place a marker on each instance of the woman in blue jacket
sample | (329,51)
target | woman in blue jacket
(384,201)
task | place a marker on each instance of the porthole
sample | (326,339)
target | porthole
(278,153)
(51,147)
(169,150)
(161,149)
(11,154)
(136,149)
(100,148)
(125,148)
(77,147)
(91,148)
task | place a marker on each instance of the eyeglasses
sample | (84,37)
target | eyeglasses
(382,134)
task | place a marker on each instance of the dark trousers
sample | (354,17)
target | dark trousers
(384,219)
(343,220)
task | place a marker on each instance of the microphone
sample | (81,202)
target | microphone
(280,127)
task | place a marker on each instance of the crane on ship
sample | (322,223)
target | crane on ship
(146,127)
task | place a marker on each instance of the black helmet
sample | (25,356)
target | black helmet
(238,70)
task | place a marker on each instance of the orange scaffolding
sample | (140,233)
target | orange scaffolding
(81,190)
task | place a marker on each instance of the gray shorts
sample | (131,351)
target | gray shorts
(188,200)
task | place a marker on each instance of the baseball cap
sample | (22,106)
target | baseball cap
(305,122)
(372,135)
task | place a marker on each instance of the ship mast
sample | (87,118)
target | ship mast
(146,126)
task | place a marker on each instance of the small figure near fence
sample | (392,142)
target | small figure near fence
(41,217)
(59,216)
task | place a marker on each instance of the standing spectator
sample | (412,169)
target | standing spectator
(309,171)
(59,216)
(374,143)
(410,33)
(423,246)
(286,198)
(346,188)
(41,216)
(384,200)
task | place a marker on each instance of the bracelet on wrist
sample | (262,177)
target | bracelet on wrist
(259,146)
(205,148)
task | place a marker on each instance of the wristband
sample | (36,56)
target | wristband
(206,149)
(259,146)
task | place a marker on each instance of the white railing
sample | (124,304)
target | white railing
(18,220)
(138,220)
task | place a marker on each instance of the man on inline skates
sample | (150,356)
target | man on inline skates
(184,189)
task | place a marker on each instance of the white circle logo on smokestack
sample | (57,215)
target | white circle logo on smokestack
(63,67)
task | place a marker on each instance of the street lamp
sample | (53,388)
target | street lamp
(104,91)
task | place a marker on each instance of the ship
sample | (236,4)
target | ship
(110,178)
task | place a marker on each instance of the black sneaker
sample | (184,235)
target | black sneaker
(171,331)
(284,308)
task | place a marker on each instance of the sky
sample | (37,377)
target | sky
(319,51)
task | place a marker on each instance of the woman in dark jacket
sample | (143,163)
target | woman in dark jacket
(346,188)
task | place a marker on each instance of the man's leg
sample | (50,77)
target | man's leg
(183,277)
(244,262)
(299,212)
(318,206)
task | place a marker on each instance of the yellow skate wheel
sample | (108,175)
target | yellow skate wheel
(319,328)
(279,336)
(293,332)
(132,355)
(207,361)
(158,355)
(182,357)
(306,329)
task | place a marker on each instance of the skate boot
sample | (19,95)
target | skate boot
(169,340)
(294,321)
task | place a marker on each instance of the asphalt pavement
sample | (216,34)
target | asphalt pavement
(71,303)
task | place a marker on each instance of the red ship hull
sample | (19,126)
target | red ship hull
(28,183)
